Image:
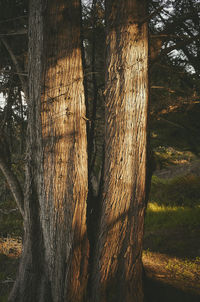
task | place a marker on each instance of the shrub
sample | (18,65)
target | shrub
(179,191)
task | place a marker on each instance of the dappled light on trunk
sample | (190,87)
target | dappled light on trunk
(117,272)
(56,246)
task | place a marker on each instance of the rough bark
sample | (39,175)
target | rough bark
(117,274)
(55,254)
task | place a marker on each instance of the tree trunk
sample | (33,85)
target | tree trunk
(117,273)
(55,253)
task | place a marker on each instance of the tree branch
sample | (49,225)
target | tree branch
(13,183)
(14,33)
(18,68)
(178,45)
(153,14)
(13,19)
(163,35)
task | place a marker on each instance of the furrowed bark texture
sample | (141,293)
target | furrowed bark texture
(117,275)
(56,247)
(65,157)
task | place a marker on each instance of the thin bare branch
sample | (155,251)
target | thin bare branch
(17,66)
(15,33)
(178,45)
(153,14)
(13,183)
(13,19)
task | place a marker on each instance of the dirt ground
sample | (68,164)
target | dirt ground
(168,278)
(171,261)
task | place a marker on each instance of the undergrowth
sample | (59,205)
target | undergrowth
(161,217)
(178,191)
(174,202)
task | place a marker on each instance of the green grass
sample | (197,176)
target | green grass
(10,219)
(161,217)
(174,202)
(172,219)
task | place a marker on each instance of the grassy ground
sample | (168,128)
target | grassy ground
(10,245)
(171,244)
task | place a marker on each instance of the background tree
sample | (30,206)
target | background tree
(174,29)
(13,86)
(174,79)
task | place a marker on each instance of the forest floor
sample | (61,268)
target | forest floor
(171,254)
(171,260)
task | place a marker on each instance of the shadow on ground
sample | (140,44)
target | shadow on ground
(182,242)
(156,291)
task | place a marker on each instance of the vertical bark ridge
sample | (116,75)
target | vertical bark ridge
(118,268)
(65,158)
(54,261)
(32,283)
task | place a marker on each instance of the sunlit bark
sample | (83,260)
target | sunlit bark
(117,274)
(54,261)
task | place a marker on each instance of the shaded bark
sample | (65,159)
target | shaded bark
(92,202)
(55,252)
(95,90)
(117,273)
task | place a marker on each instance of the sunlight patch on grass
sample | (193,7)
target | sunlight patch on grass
(162,217)
(154,207)
(184,269)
